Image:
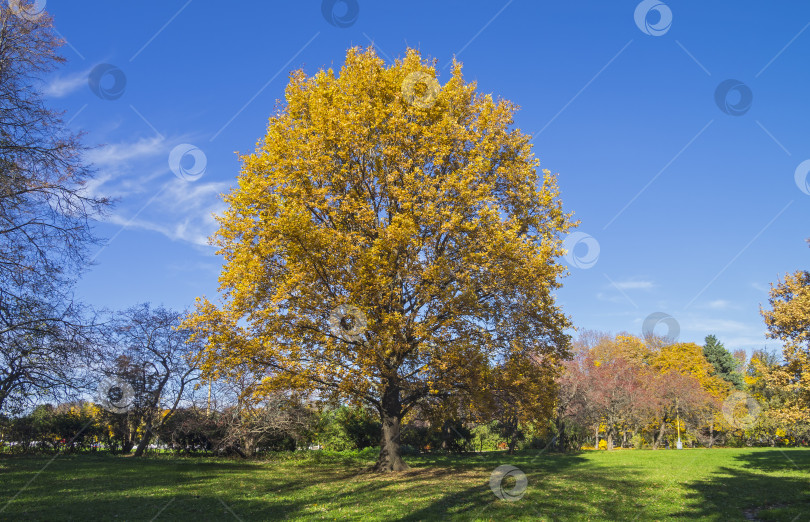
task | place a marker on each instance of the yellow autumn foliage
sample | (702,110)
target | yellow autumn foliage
(688,359)
(788,320)
(412,206)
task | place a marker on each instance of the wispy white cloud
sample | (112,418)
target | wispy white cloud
(634,285)
(117,153)
(761,287)
(61,86)
(733,333)
(180,210)
(611,298)
(715,325)
(127,168)
(719,304)
(150,196)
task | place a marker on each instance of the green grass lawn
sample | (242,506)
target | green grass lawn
(717,484)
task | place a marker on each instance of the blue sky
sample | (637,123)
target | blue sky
(694,204)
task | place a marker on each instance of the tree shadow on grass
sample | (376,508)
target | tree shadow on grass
(554,492)
(768,485)
(108,488)
(560,487)
(777,459)
(458,488)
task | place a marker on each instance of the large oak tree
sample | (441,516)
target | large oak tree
(391,240)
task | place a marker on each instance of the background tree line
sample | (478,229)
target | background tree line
(624,391)
(617,391)
(391,254)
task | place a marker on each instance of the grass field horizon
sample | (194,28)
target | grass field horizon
(709,484)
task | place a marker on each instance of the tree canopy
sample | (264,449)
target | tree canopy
(45,221)
(391,240)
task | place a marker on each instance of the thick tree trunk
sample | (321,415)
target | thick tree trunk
(512,439)
(596,437)
(561,442)
(609,439)
(661,432)
(390,458)
(144,442)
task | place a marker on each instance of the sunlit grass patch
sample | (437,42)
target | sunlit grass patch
(717,484)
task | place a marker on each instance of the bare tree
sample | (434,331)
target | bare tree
(44,205)
(158,367)
(251,426)
(45,214)
(45,350)
(251,423)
